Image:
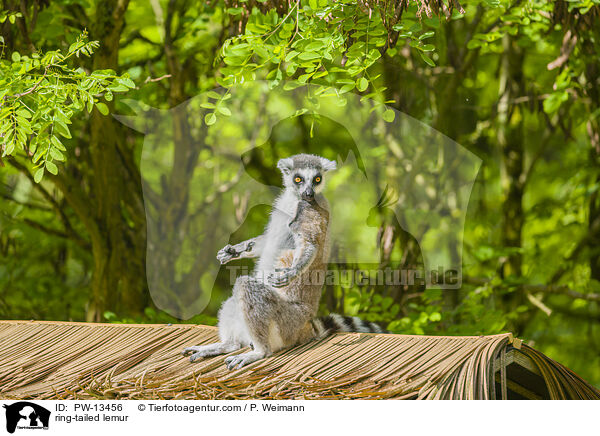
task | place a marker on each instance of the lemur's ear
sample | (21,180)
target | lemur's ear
(328,165)
(285,165)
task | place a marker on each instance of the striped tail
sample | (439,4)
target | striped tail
(333,323)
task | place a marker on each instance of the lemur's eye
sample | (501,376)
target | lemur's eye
(318,179)
(298,179)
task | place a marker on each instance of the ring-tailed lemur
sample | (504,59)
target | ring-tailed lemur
(275,306)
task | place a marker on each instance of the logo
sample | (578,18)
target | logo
(26,415)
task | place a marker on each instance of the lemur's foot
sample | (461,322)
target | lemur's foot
(198,351)
(240,360)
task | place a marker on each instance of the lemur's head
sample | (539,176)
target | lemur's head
(304,174)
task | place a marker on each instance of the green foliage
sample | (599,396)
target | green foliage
(333,44)
(371,306)
(451,72)
(39,95)
(10,16)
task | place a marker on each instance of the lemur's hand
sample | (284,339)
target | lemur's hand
(281,277)
(230,252)
(227,253)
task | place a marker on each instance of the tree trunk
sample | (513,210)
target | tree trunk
(118,281)
(592,74)
(511,142)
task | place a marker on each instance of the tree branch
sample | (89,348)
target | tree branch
(583,243)
(137,35)
(34,224)
(544,289)
(57,207)
(23,203)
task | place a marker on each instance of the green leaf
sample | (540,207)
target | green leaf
(56,142)
(317,45)
(38,154)
(24,113)
(553,103)
(62,129)
(118,88)
(389,115)
(235,11)
(224,110)
(291,55)
(304,78)
(291,69)
(51,167)
(102,108)
(126,82)
(37,177)
(354,70)
(474,43)
(308,55)
(9,148)
(60,115)
(362,84)
(57,155)
(210,119)
(427,59)
(292,85)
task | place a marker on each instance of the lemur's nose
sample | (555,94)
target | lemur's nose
(309,193)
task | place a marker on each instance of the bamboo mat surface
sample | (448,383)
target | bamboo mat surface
(67,360)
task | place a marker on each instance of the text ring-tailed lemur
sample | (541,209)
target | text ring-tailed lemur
(275,306)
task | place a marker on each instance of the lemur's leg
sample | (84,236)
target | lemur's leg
(257,304)
(232,332)
(247,249)
(272,321)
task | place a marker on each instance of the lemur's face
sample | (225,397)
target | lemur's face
(306,182)
(304,174)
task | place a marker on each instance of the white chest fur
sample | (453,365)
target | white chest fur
(278,234)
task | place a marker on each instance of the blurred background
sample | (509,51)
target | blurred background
(516,84)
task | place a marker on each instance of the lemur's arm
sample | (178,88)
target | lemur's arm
(304,254)
(247,249)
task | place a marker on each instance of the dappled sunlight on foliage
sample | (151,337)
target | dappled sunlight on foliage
(515,83)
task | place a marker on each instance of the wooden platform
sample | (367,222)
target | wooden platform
(60,360)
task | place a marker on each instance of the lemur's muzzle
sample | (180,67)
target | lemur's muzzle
(308,194)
